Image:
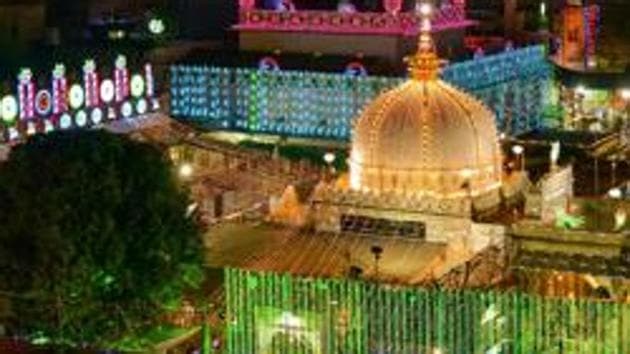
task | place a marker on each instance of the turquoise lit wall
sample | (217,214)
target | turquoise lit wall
(514,84)
(274,313)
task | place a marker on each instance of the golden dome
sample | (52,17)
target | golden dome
(425,137)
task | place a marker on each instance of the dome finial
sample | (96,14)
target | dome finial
(424,64)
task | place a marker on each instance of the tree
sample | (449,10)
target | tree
(94,237)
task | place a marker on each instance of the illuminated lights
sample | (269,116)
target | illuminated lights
(141,106)
(268,63)
(60,89)
(581,90)
(76,96)
(409,319)
(424,9)
(513,84)
(329,158)
(156,26)
(80,119)
(43,102)
(137,86)
(615,193)
(121,79)
(350,21)
(13,133)
(518,149)
(392,6)
(185,170)
(92,87)
(126,109)
(26,94)
(65,121)
(48,126)
(31,128)
(625,94)
(107,91)
(9,109)
(149,80)
(96,115)
(111,113)
(62,105)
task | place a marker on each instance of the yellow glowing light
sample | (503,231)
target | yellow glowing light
(580,89)
(425,9)
(185,170)
(625,94)
(329,157)
(615,193)
(518,149)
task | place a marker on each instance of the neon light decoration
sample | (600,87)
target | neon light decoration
(279,313)
(150,82)
(60,89)
(43,103)
(392,22)
(64,105)
(356,69)
(9,109)
(97,115)
(65,122)
(92,87)
(591,29)
(121,78)
(80,119)
(108,91)
(77,96)
(514,84)
(268,63)
(26,93)
(137,86)
(392,6)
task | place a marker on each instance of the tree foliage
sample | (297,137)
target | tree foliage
(94,238)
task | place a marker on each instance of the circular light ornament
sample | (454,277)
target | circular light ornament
(141,106)
(80,118)
(43,102)
(126,109)
(137,85)
(156,26)
(77,96)
(65,121)
(8,109)
(96,115)
(107,91)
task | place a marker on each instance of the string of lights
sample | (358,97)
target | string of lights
(514,84)
(86,103)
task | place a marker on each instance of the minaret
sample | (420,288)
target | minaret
(425,64)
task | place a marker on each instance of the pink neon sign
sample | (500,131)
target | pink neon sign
(357,22)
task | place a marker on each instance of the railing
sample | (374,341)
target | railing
(357,22)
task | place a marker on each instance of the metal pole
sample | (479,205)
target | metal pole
(596,191)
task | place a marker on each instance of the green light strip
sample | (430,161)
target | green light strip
(346,316)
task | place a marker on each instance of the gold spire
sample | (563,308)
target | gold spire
(424,64)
